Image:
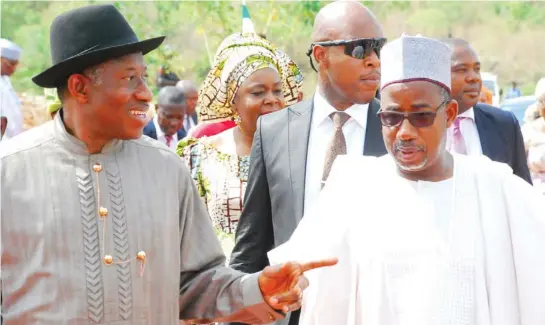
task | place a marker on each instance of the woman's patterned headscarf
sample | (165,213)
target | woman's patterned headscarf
(238,56)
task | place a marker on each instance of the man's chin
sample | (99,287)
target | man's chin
(412,167)
(364,98)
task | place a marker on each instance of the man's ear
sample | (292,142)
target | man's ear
(320,55)
(451,111)
(78,87)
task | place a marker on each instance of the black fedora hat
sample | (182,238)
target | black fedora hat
(87,36)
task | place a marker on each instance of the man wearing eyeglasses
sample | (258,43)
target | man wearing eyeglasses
(423,236)
(481,129)
(293,149)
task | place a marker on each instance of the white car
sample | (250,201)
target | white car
(518,106)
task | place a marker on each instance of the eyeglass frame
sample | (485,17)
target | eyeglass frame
(406,116)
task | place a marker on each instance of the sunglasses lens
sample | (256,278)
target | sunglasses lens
(390,118)
(361,48)
(359,52)
(422,119)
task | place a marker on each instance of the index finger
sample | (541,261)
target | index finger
(318,264)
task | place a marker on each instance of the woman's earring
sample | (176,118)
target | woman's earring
(236,118)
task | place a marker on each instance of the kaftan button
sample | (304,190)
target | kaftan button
(97,167)
(108,259)
(141,255)
(271,317)
(102,211)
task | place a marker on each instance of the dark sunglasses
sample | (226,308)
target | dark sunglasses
(357,48)
(417,119)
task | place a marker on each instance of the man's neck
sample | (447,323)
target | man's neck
(462,109)
(94,143)
(333,98)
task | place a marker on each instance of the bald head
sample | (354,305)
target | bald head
(345,20)
(191,94)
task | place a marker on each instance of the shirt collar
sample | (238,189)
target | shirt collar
(322,110)
(76,145)
(470,114)
(158,129)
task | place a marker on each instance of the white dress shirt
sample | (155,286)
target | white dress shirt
(161,135)
(321,133)
(469,131)
(188,123)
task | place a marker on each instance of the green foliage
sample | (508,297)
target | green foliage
(194,29)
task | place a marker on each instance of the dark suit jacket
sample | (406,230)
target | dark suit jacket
(501,138)
(151,132)
(195,118)
(274,199)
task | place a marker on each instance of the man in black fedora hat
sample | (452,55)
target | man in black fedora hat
(103,226)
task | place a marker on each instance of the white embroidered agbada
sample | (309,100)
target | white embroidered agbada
(469,250)
(466,251)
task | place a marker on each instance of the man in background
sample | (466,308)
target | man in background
(166,126)
(10,104)
(514,92)
(294,148)
(191,95)
(481,129)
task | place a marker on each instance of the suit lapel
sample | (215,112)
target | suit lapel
(374,145)
(153,131)
(487,134)
(299,120)
(181,134)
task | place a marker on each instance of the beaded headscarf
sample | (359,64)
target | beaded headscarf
(238,56)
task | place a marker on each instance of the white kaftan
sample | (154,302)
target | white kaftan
(466,251)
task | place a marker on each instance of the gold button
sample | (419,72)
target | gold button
(271,317)
(97,167)
(141,255)
(108,259)
(102,211)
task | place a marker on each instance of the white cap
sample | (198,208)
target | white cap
(413,58)
(9,50)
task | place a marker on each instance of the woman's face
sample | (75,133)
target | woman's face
(261,93)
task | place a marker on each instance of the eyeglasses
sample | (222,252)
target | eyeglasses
(417,119)
(357,48)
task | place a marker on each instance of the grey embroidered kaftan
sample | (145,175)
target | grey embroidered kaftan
(54,242)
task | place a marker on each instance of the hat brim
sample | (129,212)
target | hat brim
(55,75)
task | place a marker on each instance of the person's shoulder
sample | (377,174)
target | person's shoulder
(498,114)
(281,116)
(149,126)
(192,145)
(27,141)
(483,166)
